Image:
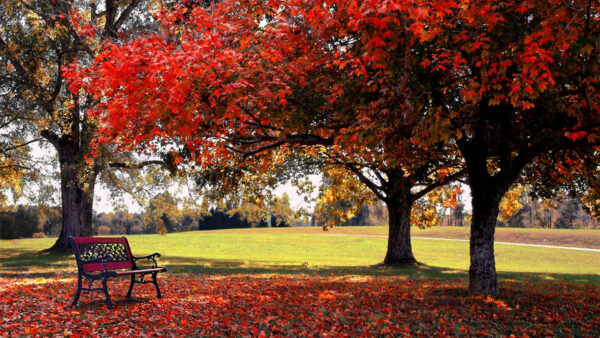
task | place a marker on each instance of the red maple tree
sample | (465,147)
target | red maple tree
(392,91)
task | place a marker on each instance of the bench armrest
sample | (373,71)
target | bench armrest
(149,257)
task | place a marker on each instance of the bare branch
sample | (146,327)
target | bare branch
(123,165)
(19,145)
(256,151)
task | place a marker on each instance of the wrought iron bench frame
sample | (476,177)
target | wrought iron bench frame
(100,258)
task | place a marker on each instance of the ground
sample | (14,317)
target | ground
(304,281)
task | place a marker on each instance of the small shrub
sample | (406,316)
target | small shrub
(39,235)
(102,230)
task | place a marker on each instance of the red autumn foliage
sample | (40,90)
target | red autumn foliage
(392,86)
(283,305)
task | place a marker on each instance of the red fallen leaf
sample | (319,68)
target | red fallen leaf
(241,305)
(577,135)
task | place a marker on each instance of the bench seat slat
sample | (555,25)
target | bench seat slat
(92,267)
(132,272)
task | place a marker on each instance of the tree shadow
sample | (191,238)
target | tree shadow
(232,266)
(18,263)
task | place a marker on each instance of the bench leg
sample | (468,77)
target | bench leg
(78,292)
(131,287)
(158,295)
(105,289)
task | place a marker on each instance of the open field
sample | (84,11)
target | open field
(560,237)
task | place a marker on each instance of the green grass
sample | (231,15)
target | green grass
(306,251)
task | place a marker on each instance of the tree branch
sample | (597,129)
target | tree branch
(306,27)
(257,122)
(375,188)
(122,165)
(19,145)
(52,138)
(441,183)
(132,5)
(16,63)
(256,151)
(296,139)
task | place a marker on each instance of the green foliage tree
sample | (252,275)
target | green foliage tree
(281,212)
(569,214)
(19,223)
(162,214)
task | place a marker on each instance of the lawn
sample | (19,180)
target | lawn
(305,281)
(310,250)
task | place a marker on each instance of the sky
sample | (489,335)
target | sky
(105,203)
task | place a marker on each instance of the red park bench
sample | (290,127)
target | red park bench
(100,258)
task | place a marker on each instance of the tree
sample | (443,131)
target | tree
(392,92)
(38,38)
(568,214)
(162,214)
(341,197)
(13,166)
(459,214)
(517,82)
(19,223)
(332,81)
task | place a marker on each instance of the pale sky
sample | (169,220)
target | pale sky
(103,201)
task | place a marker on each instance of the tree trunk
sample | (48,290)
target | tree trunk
(399,250)
(77,205)
(482,272)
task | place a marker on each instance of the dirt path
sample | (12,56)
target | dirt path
(589,239)
(552,237)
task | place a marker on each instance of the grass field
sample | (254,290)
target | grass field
(312,251)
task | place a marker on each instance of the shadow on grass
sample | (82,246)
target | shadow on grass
(17,263)
(232,266)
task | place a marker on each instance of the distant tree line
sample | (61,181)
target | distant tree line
(26,221)
(565,212)
(162,215)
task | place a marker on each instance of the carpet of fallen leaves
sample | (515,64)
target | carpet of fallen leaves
(254,305)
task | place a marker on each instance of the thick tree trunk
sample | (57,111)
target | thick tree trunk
(77,205)
(399,249)
(482,272)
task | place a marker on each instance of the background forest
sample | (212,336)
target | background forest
(163,213)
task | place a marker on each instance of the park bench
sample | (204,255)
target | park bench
(100,258)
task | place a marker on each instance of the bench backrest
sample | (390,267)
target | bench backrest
(90,252)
